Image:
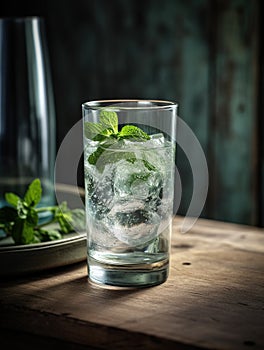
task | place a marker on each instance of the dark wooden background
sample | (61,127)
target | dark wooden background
(205,54)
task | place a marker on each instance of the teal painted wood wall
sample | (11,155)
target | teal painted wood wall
(207,55)
(235,116)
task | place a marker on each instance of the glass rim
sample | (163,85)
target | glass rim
(153,104)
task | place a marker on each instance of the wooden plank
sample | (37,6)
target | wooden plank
(233,130)
(213,298)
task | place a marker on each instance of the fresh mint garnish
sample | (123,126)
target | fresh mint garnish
(20,220)
(133,132)
(106,132)
(107,127)
(92,130)
(110,120)
(104,145)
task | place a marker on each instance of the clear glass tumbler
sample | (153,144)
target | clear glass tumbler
(129,164)
(27,113)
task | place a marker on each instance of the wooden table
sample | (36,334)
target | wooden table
(213,299)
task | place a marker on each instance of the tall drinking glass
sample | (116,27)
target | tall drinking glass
(129,154)
(27,113)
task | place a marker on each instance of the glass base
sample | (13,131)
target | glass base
(133,276)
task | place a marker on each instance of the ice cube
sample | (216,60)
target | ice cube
(157,140)
(101,236)
(137,180)
(134,227)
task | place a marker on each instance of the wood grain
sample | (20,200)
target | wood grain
(213,299)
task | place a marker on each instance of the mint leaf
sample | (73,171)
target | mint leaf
(12,198)
(64,217)
(106,132)
(69,219)
(111,156)
(42,235)
(78,219)
(23,232)
(33,194)
(148,165)
(100,131)
(104,135)
(93,158)
(109,119)
(21,221)
(22,209)
(91,130)
(133,132)
(32,217)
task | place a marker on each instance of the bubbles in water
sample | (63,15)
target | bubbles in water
(126,200)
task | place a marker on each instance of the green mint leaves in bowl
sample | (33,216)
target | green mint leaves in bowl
(21,218)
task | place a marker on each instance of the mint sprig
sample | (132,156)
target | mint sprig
(106,132)
(21,221)
(110,120)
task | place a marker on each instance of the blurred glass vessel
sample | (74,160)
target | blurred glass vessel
(27,113)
